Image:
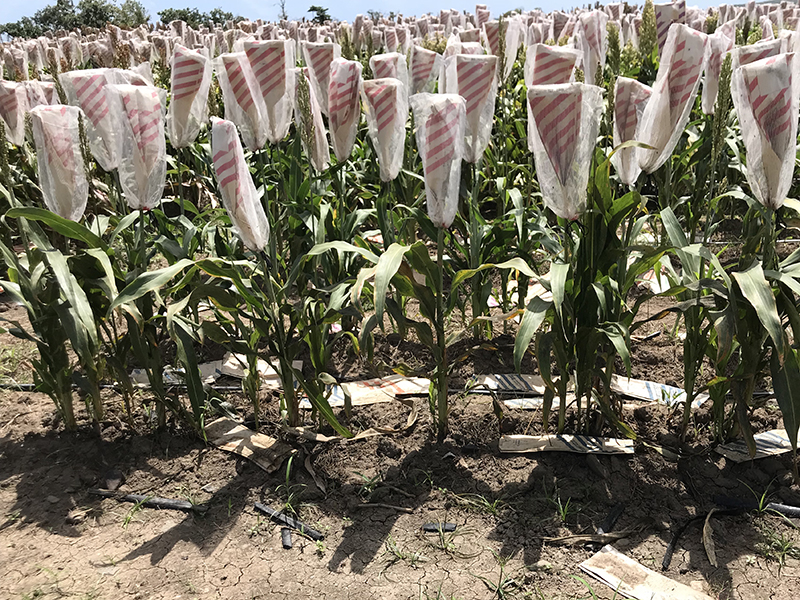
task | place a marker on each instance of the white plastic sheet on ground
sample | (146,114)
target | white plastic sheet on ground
(425,66)
(374,391)
(440,121)
(719,45)
(236,186)
(549,65)
(317,153)
(318,57)
(632,580)
(386,105)
(188,107)
(243,102)
(344,108)
(766,100)
(654,392)
(674,91)
(62,175)
(579,444)
(630,99)
(13,104)
(563,121)
(139,115)
(272,63)
(768,443)
(474,78)
(86,89)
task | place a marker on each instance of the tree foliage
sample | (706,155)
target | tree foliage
(195,18)
(321,14)
(65,14)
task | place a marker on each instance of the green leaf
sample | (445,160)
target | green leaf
(149,282)
(340,246)
(786,382)
(387,266)
(674,229)
(514,263)
(532,319)
(758,293)
(74,294)
(65,227)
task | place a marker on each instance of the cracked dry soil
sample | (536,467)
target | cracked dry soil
(57,541)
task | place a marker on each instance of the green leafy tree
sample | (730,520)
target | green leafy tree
(132,13)
(321,14)
(195,18)
(26,27)
(61,15)
(96,13)
(88,13)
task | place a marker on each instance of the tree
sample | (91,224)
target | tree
(132,13)
(374,15)
(321,15)
(282,12)
(61,15)
(96,13)
(88,13)
(194,18)
(24,28)
(191,16)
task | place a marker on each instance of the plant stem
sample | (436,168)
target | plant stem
(441,368)
(180,178)
(475,250)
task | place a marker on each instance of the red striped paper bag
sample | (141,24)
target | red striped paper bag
(630,99)
(236,186)
(440,121)
(674,92)
(386,105)
(765,96)
(190,82)
(138,112)
(243,102)
(475,79)
(563,121)
(272,62)
(344,89)
(62,175)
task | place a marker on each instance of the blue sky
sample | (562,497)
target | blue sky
(12,10)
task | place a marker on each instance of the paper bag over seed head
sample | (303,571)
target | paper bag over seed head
(139,116)
(562,130)
(425,65)
(440,121)
(272,63)
(344,108)
(474,78)
(386,104)
(236,186)
(87,90)
(765,96)
(549,65)
(62,174)
(630,99)
(673,96)
(188,107)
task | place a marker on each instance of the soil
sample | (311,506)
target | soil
(58,541)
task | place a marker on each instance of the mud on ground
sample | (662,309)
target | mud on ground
(57,541)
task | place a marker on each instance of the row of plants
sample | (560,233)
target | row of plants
(303,243)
